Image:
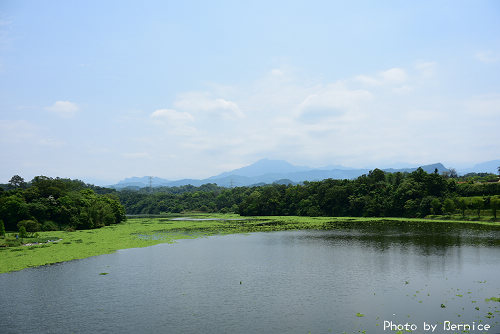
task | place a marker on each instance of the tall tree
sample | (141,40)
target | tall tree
(495,205)
(2,229)
(17,182)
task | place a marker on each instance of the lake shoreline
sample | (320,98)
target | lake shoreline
(82,244)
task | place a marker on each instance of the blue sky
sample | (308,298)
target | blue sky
(103,90)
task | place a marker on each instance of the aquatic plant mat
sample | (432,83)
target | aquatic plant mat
(60,246)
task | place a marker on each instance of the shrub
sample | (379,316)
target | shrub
(30,225)
(12,242)
(22,232)
(50,226)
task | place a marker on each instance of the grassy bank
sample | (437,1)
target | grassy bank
(143,232)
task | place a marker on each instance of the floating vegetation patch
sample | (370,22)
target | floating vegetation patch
(152,230)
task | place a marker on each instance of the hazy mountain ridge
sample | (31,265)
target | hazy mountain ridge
(269,171)
(483,167)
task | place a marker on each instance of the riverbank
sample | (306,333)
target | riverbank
(144,232)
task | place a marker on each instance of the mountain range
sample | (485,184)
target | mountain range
(267,171)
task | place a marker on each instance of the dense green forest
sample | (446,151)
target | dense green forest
(47,204)
(53,203)
(377,194)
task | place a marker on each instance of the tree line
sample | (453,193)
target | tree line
(376,194)
(47,203)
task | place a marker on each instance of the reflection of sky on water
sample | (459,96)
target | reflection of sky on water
(291,282)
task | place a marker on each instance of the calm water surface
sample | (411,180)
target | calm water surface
(277,282)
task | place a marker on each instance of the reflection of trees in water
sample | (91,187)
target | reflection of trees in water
(424,237)
(436,245)
(426,247)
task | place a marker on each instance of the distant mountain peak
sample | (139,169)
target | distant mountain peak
(264,166)
(267,171)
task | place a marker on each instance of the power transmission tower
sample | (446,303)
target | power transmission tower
(150,184)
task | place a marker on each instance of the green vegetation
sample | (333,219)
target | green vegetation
(51,204)
(22,232)
(378,194)
(57,218)
(2,229)
(58,246)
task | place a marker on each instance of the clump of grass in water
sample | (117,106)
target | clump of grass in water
(103,274)
(360,314)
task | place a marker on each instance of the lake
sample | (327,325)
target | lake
(351,279)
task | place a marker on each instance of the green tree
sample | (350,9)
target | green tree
(448,206)
(453,173)
(17,182)
(376,175)
(2,229)
(462,205)
(435,206)
(22,232)
(13,209)
(494,205)
(477,204)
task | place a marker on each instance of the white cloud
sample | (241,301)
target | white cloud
(426,68)
(389,77)
(332,101)
(175,122)
(63,108)
(394,76)
(487,57)
(402,89)
(277,72)
(200,102)
(172,115)
(367,80)
(367,120)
